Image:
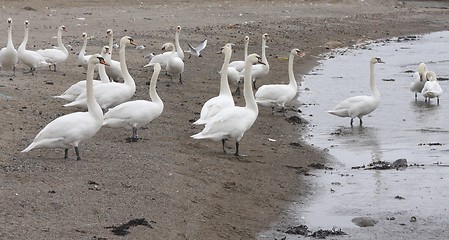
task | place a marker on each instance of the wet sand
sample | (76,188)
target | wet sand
(184,188)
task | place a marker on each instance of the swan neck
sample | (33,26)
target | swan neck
(246,48)
(224,83)
(373,86)
(152,90)
(291,75)
(92,105)
(124,68)
(60,44)
(103,75)
(264,56)
(178,46)
(10,43)
(83,48)
(25,40)
(248,88)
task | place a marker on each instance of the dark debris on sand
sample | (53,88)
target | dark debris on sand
(303,230)
(123,229)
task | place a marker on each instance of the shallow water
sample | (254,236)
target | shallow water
(399,128)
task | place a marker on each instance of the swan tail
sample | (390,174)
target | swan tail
(30,147)
(200,122)
(340,113)
(65,97)
(198,136)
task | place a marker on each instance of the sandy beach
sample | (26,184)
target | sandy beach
(172,186)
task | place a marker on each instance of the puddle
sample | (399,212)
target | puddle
(399,128)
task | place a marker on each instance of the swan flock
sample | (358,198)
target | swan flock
(108,102)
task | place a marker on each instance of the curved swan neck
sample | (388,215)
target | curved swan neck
(103,75)
(224,84)
(248,88)
(60,44)
(92,105)
(373,86)
(152,91)
(124,68)
(291,75)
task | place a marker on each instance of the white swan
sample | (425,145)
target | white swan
(8,54)
(419,79)
(278,94)
(69,130)
(57,55)
(30,58)
(113,93)
(113,70)
(131,115)
(83,59)
(196,51)
(165,56)
(233,122)
(224,99)
(240,65)
(432,88)
(260,70)
(175,65)
(360,106)
(78,88)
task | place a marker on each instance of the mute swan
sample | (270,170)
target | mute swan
(196,51)
(8,54)
(131,115)
(233,122)
(175,65)
(260,70)
(164,57)
(78,88)
(30,58)
(360,106)
(57,55)
(83,59)
(240,65)
(113,70)
(278,94)
(432,88)
(69,130)
(113,93)
(419,79)
(224,99)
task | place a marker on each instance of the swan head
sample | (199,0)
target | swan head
(126,40)
(178,29)
(96,59)
(109,32)
(84,35)
(246,38)
(265,36)
(297,52)
(254,58)
(104,51)
(167,46)
(62,28)
(422,68)
(375,60)
(26,23)
(9,20)
(431,76)
(227,49)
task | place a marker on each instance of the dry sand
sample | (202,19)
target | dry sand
(184,188)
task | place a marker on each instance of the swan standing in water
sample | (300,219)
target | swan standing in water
(113,70)
(278,94)
(419,79)
(69,130)
(131,115)
(78,88)
(233,122)
(57,55)
(260,70)
(360,106)
(224,99)
(112,93)
(8,55)
(30,58)
(432,88)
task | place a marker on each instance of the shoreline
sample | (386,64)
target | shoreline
(187,188)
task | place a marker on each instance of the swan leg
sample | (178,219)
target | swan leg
(237,144)
(352,120)
(416,96)
(438,100)
(223,144)
(66,154)
(283,111)
(272,110)
(32,69)
(77,151)
(180,79)
(237,90)
(360,121)
(134,136)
